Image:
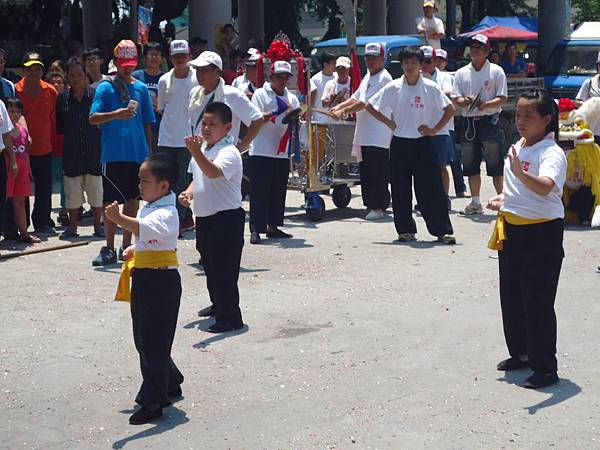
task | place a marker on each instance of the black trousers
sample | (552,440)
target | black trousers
(375,176)
(41,170)
(220,239)
(416,158)
(156,295)
(268,188)
(456,167)
(530,264)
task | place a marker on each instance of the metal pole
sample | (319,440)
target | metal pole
(375,16)
(554,19)
(133,18)
(403,16)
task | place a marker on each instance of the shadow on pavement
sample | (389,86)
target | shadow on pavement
(561,392)
(172,418)
(417,244)
(285,243)
(203,324)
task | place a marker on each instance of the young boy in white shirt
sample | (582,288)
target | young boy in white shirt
(420,110)
(216,199)
(338,89)
(155,292)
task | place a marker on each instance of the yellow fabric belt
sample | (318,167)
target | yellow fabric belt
(142,260)
(496,242)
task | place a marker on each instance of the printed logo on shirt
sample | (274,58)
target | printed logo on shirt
(153,241)
(525,166)
(417,103)
(487,84)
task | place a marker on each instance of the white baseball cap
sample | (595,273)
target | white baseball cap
(206,59)
(428,52)
(343,61)
(480,39)
(281,67)
(252,58)
(179,47)
(598,58)
(374,49)
(441,53)
(112,69)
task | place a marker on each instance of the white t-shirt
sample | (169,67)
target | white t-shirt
(333,87)
(412,106)
(212,195)
(368,130)
(269,137)
(433,25)
(241,107)
(490,81)
(587,91)
(174,124)
(446,82)
(6,125)
(318,82)
(159,225)
(544,159)
(244,84)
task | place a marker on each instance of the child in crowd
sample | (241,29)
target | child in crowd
(529,240)
(216,200)
(57,80)
(155,284)
(19,186)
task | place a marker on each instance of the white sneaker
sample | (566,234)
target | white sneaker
(374,214)
(472,208)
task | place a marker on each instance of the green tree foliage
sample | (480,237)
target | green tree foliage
(586,10)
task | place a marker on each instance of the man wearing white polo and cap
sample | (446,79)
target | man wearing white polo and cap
(173,93)
(591,88)
(247,82)
(430,26)
(269,158)
(338,89)
(371,137)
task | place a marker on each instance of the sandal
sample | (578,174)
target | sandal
(30,239)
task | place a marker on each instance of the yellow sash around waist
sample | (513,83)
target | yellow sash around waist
(496,242)
(143,260)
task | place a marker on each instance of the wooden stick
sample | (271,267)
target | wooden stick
(43,249)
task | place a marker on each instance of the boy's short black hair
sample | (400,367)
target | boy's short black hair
(51,75)
(328,57)
(164,168)
(73,62)
(412,52)
(14,102)
(153,46)
(197,40)
(221,110)
(92,52)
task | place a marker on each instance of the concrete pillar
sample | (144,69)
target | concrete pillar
(250,21)
(97,22)
(554,17)
(450,18)
(403,16)
(375,17)
(205,16)
(133,14)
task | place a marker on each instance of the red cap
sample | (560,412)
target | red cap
(126,54)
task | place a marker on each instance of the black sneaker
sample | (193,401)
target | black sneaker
(540,380)
(145,415)
(47,229)
(512,364)
(206,312)
(254,238)
(223,327)
(106,256)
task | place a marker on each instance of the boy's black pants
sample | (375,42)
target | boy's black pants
(530,264)
(416,158)
(268,189)
(375,176)
(220,239)
(155,298)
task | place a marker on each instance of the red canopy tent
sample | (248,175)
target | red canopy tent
(499,33)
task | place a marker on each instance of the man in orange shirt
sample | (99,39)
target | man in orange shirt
(39,105)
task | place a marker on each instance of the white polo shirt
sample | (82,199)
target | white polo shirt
(590,88)
(543,159)
(244,84)
(6,125)
(269,137)
(412,106)
(242,109)
(446,82)
(433,25)
(212,195)
(368,130)
(318,82)
(159,225)
(174,123)
(490,81)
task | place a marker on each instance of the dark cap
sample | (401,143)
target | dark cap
(31,59)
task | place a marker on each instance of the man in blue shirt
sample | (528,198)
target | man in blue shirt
(513,66)
(123,110)
(149,75)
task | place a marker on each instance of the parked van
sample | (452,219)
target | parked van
(573,60)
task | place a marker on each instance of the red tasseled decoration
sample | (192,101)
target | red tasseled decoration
(301,76)
(355,76)
(566,105)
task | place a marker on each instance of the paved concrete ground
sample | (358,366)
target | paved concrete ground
(353,341)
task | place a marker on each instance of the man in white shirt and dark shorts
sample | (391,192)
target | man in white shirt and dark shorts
(371,137)
(589,89)
(173,93)
(430,27)
(480,89)
(420,110)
